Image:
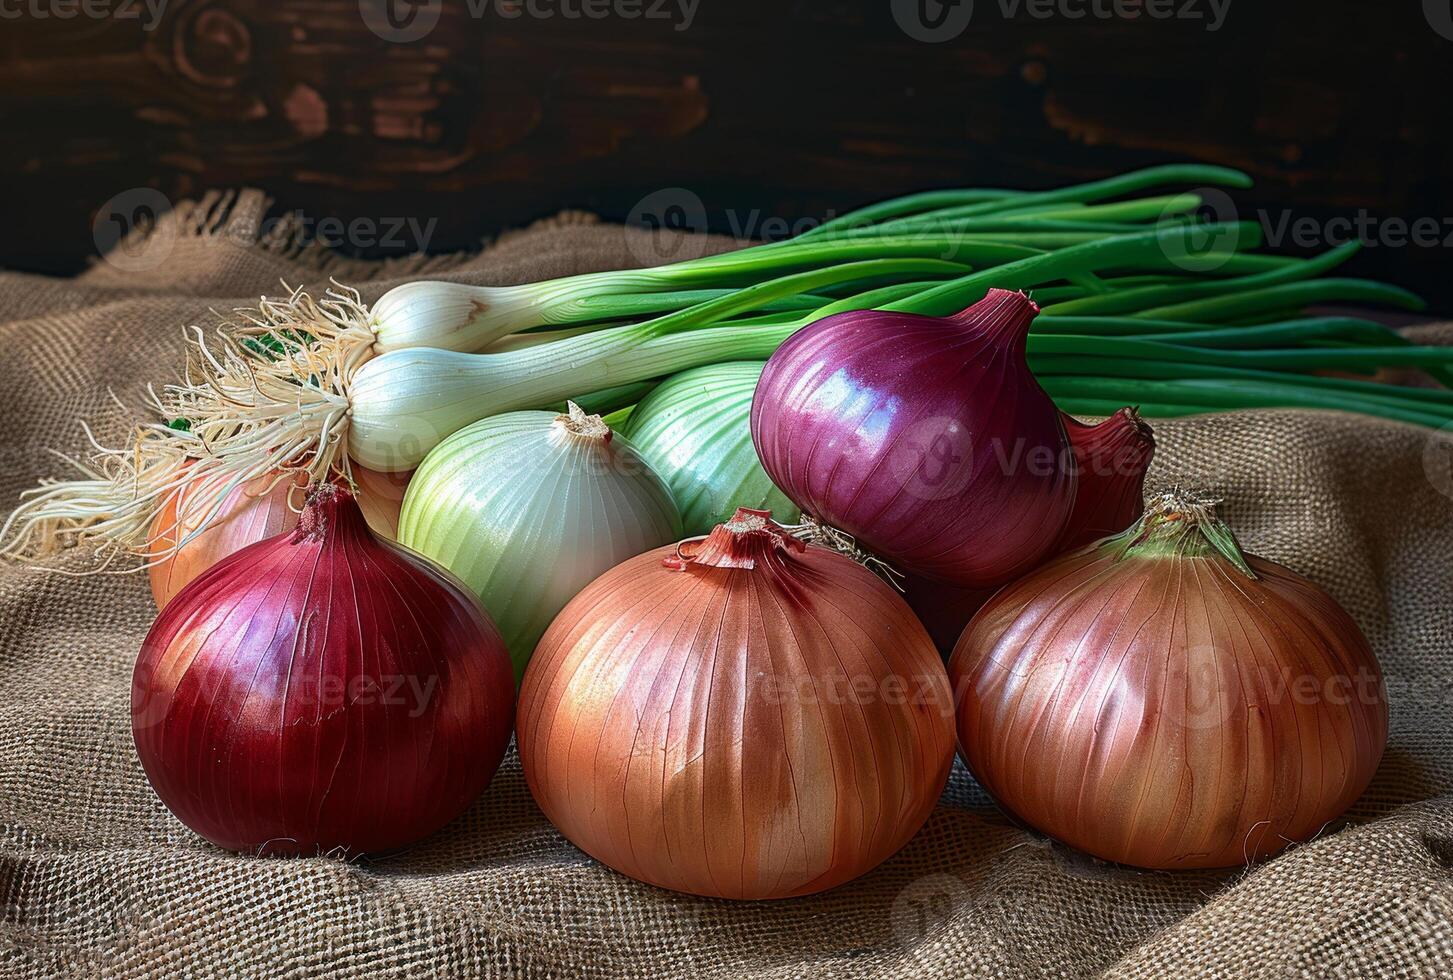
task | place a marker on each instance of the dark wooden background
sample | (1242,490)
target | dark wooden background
(774,106)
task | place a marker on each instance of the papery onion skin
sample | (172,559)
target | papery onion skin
(697,727)
(926,439)
(1111,460)
(1146,701)
(528,507)
(322,691)
(695,430)
(252,512)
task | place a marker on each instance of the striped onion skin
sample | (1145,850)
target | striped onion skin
(527,508)
(1148,701)
(744,717)
(321,692)
(695,429)
(249,513)
(925,438)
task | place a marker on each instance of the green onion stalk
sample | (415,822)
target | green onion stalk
(1138,296)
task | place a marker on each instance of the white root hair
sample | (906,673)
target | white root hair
(263,398)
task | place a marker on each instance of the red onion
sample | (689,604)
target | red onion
(743,716)
(255,510)
(249,513)
(926,439)
(1111,460)
(322,690)
(1163,700)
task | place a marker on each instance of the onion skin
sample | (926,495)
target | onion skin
(926,439)
(252,512)
(1111,460)
(718,729)
(1147,701)
(528,508)
(365,728)
(694,429)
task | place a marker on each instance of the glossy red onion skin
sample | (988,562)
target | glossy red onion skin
(651,737)
(1111,460)
(256,510)
(926,439)
(364,732)
(1088,714)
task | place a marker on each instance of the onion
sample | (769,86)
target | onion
(1111,460)
(694,429)
(527,508)
(926,439)
(943,609)
(1161,700)
(324,690)
(741,716)
(249,513)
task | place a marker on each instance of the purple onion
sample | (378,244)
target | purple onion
(926,439)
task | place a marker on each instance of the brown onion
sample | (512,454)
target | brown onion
(1161,700)
(740,716)
(251,512)
(324,690)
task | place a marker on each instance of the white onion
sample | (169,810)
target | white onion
(527,508)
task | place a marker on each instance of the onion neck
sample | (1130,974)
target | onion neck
(330,511)
(1123,437)
(574,424)
(751,539)
(1002,316)
(1183,524)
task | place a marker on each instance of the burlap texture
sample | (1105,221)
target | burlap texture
(97,878)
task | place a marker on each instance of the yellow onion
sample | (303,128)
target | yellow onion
(1161,699)
(740,715)
(249,513)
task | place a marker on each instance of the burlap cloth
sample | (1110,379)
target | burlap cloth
(97,878)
